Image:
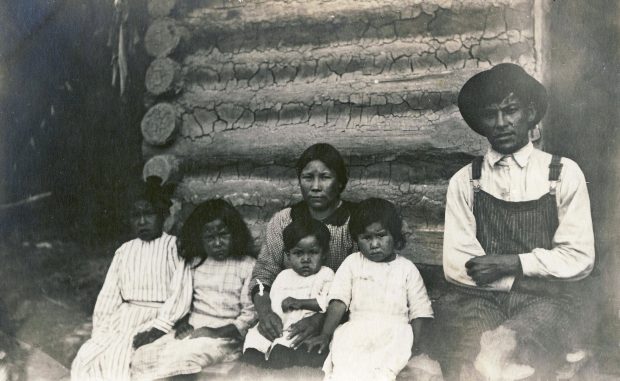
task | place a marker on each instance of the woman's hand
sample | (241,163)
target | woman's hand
(305,328)
(321,342)
(269,325)
(147,337)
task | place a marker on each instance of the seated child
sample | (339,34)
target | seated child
(385,296)
(296,293)
(146,290)
(216,241)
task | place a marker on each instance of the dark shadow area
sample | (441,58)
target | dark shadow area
(582,124)
(66,131)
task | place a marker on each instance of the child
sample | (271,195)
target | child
(146,290)
(296,293)
(385,296)
(217,241)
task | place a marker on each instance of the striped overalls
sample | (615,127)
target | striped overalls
(539,320)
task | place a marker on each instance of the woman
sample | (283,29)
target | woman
(322,177)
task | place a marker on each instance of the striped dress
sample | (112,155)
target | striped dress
(221,297)
(147,286)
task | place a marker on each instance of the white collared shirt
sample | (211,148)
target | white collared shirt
(522,176)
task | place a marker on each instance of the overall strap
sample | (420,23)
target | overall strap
(555,168)
(476,172)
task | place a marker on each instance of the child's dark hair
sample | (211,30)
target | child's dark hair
(378,210)
(153,192)
(299,229)
(208,211)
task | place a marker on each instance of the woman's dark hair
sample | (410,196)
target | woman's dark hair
(329,156)
(208,211)
(378,210)
(302,228)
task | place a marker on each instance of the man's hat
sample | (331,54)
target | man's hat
(493,85)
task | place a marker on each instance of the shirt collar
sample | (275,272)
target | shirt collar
(338,218)
(521,156)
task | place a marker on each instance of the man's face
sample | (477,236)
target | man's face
(506,124)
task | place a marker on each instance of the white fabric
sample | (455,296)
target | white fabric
(290,284)
(221,297)
(523,176)
(222,294)
(383,298)
(168,357)
(142,275)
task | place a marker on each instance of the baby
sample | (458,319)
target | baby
(296,293)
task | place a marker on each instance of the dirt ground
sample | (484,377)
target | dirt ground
(48,290)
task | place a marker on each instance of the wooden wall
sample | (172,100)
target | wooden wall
(238,89)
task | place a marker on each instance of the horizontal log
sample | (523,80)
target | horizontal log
(364,132)
(236,15)
(163,76)
(270,187)
(213,69)
(162,37)
(359,90)
(165,167)
(160,124)
(160,8)
(265,24)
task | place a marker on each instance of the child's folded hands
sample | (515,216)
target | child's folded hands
(290,304)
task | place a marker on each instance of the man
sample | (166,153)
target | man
(518,230)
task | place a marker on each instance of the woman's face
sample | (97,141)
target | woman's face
(319,185)
(216,239)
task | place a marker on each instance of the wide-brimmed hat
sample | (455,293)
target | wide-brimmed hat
(493,85)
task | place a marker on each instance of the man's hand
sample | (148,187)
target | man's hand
(269,325)
(489,268)
(321,342)
(305,328)
(146,337)
(290,304)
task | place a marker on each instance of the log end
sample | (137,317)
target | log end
(160,8)
(160,124)
(162,37)
(162,76)
(165,167)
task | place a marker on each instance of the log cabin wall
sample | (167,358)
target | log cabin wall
(239,88)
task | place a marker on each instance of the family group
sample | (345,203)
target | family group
(330,289)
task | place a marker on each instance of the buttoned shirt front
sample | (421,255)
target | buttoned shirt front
(521,176)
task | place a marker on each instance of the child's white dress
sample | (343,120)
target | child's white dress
(221,297)
(383,298)
(290,284)
(147,285)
